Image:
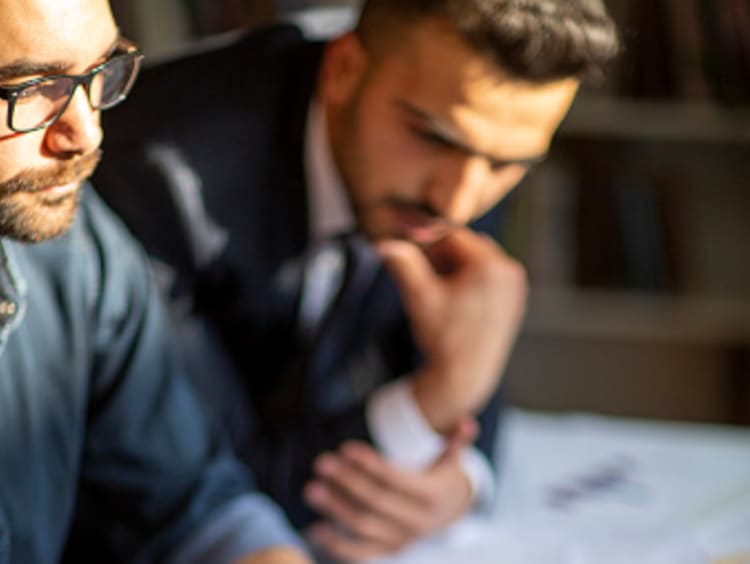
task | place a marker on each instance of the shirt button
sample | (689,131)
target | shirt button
(7,309)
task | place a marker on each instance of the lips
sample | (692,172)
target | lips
(62,178)
(61,189)
(419,226)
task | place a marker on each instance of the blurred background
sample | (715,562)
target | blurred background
(635,231)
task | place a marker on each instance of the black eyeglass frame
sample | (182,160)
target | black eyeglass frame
(124,49)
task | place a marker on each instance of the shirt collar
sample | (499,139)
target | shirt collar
(330,212)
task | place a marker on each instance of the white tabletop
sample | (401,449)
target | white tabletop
(580,489)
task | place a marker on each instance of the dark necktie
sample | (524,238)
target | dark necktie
(328,285)
(339,326)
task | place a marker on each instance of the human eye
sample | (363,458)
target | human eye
(26,94)
(432,138)
(52,89)
(499,165)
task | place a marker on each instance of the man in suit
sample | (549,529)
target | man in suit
(93,398)
(245,174)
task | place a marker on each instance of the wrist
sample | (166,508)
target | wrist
(437,401)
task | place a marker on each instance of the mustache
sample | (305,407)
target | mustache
(64,172)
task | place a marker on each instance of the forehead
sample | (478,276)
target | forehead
(71,31)
(433,69)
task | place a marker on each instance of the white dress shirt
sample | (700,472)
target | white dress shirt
(396,423)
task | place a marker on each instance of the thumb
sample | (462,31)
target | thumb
(463,434)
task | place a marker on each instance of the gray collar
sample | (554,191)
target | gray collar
(12,291)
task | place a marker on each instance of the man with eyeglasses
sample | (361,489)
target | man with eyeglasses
(358,387)
(93,403)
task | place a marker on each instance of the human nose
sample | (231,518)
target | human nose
(455,188)
(77,131)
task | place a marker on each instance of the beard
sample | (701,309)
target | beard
(30,212)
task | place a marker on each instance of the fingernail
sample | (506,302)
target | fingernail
(315,493)
(326,465)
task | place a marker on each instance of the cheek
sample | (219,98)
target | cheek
(382,156)
(399,162)
(16,154)
(22,152)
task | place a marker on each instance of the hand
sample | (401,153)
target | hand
(465,299)
(276,555)
(375,509)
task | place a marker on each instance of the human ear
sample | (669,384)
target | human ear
(343,68)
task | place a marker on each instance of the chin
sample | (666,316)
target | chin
(32,218)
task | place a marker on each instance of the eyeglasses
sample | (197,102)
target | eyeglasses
(38,103)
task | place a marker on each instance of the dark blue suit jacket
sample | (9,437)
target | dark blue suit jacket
(205,164)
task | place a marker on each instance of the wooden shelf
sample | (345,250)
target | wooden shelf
(656,121)
(639,317)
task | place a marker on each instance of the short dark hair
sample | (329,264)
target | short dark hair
(535,40)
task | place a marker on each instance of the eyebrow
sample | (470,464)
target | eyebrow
(452,138)
(27,67)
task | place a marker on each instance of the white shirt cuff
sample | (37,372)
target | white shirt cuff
(404,436)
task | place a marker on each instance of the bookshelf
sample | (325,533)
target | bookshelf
(635,230)
(656,120)
(160,28)
(638,316)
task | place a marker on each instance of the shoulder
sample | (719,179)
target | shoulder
(216,87)
(233,58)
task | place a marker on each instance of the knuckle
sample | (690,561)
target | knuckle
(508,269)
(359,522)
(517,272)
(417,528)
(366,491)
(506,276)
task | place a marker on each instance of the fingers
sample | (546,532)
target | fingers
(463,434)
(370,493)
(365,525)
(410,267)
(365,459)
(462,247)
(374,508)
(415,265)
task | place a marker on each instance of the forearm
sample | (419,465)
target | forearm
(465,321)
(444,400)
(405,437)
(438,402)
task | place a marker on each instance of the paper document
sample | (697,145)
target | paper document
(584,489)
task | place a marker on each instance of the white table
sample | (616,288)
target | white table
(585,489)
